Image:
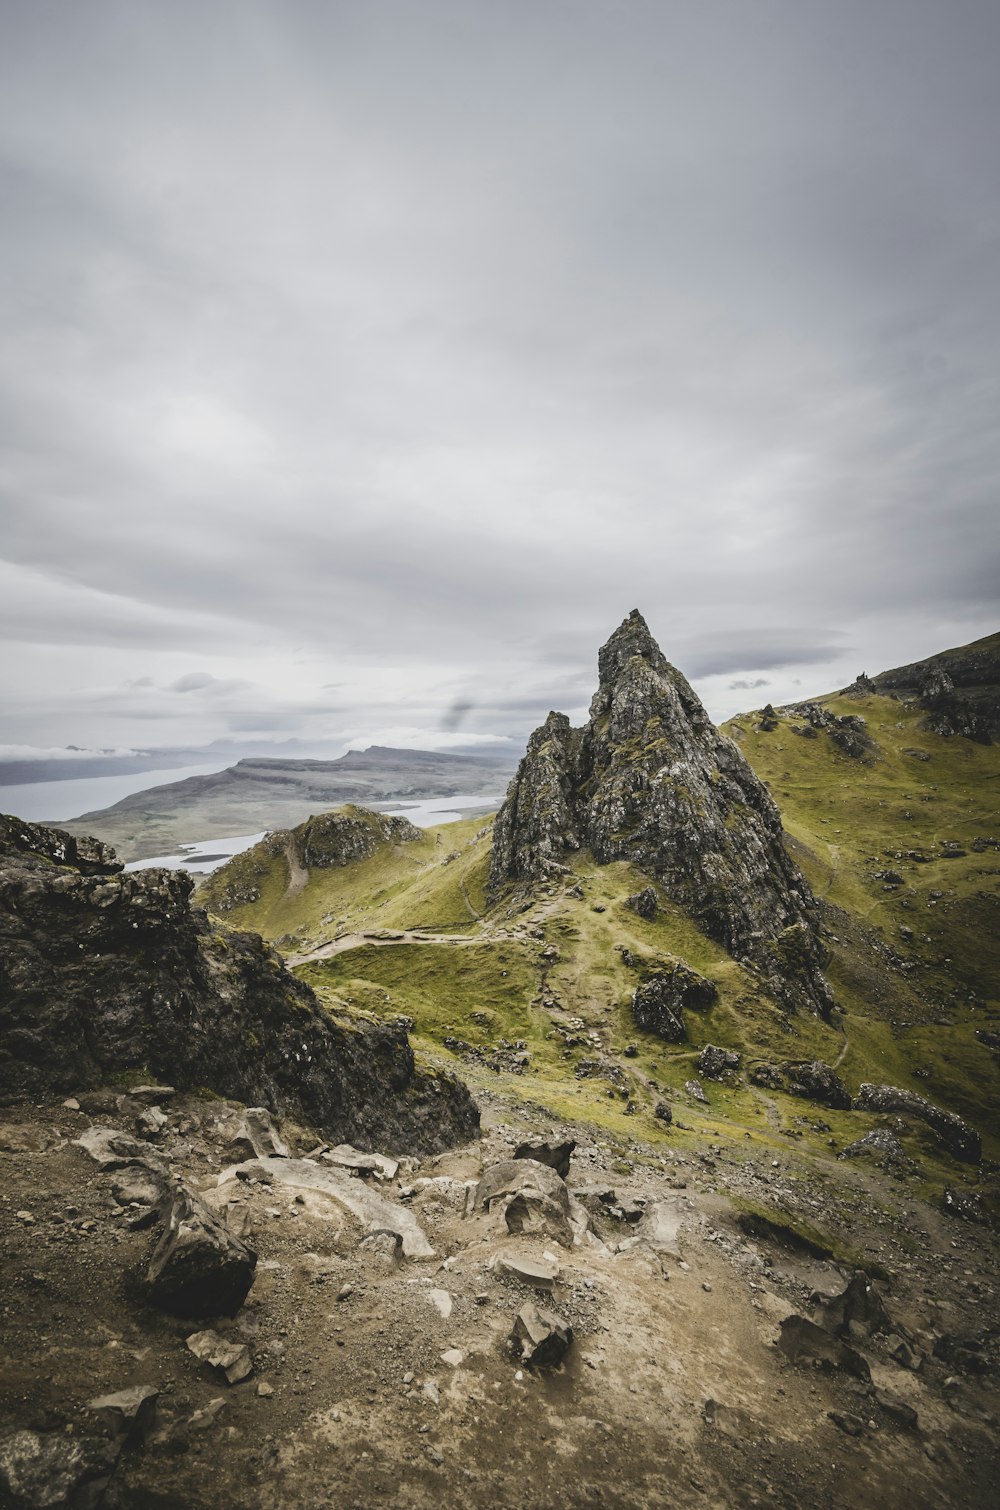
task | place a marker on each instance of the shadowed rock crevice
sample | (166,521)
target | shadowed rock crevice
(650,780)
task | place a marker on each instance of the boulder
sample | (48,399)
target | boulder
(375,1211)
(513,1175)
(859,1306)
(541,1338)
(555,1155)
(716,1063)
(257,1135)
(896,1408)
(346,1157)
(645,903)
(659,1001)
(801,1338)
(199,1268)
(538,1215)
(538,1274)
(43,1469)
(815,1081)
(961,1140)
(112,1149)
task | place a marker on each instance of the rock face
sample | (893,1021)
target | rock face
(650,780)
(102,971)
(660,999)
(959,688)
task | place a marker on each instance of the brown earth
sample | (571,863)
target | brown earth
(673,1391)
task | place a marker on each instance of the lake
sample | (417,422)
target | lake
(55,801)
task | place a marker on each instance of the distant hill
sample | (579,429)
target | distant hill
(263,793)
(959,688)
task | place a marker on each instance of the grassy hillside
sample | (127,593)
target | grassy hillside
(894,848)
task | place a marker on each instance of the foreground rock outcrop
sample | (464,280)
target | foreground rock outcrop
(650,780)
(103,972)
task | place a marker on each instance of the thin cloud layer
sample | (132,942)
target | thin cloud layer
(401,350)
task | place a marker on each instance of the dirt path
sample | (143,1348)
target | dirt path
(380,939)
(297,873)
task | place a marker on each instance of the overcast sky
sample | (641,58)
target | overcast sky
(363,364)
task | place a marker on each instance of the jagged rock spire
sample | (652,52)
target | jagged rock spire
(649,779)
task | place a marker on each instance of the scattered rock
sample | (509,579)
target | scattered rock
(964,1203)
(695,1091)
(232,1359)
(541,1338)
(383,1249)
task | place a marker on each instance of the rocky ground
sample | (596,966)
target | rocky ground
(371,1376)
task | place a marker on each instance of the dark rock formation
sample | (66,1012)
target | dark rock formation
(103,971)
(857,1310)
(959,688)
(645,903)
(815,1081)
(659,1001)
(849,733)
(961,1140)
(650,780)
(715,1063)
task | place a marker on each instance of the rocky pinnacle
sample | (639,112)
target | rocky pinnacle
(649,779)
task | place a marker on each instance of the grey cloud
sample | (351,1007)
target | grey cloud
(416,345)
(742,684)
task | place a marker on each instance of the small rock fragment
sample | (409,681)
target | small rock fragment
(231,1358)
(129,1413)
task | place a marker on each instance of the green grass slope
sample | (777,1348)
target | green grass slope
(913,962)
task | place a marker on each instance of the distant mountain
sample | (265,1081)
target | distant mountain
(259,793)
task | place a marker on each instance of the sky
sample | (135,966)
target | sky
(362,365)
